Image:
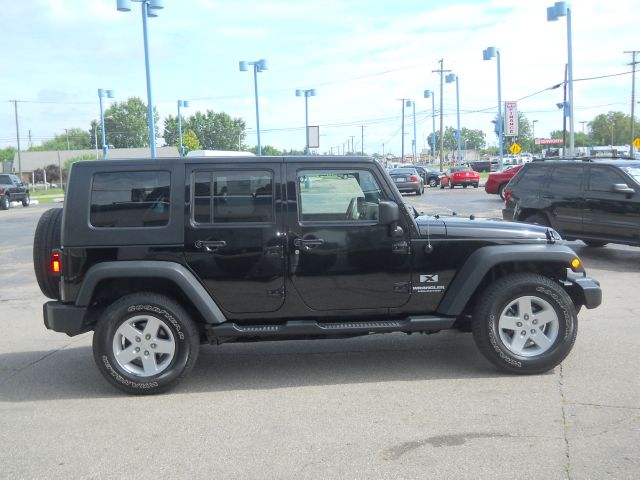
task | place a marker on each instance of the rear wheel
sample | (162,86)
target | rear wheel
(501,190)
(537,219)
(475,185)
(46,238)
(450,184)
(433,182)
(145,343)
(525,323)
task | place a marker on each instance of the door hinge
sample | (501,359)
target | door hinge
(402,287)
(278,292)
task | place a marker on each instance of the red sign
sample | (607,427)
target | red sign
(549,141)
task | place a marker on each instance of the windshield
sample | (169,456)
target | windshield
(634,172)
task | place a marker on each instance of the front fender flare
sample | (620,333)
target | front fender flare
(482,260)
(174,272)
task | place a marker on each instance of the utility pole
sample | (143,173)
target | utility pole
(633,97)
(30,142)
(352,147)
(441,71)
(66,131)
(15,106)
(362,138)
(403,100)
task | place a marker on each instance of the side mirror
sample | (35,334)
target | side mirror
(388,213)
(622,188)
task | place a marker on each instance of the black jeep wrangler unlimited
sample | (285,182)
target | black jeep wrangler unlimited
(159,256)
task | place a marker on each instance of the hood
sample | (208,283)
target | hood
(482,229)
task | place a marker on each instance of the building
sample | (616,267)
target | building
(31,161)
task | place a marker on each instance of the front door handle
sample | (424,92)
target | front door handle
(210,246)
(308,242)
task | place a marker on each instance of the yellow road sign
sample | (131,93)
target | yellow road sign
(515,149)
(636,142)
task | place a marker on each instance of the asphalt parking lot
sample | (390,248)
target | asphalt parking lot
(385,406)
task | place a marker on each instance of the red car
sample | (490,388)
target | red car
(464,176)
(498,180)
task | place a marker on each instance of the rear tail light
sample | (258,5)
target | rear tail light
(56,262)
(507,196)
(413,178)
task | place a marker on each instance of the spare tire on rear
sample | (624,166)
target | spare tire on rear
(46,238)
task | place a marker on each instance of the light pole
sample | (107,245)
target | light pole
(411,103)
(258,66)
(149,8)
(450,79)
(403,100)
(533,133)
(488,54)
(563,9)
(184,104)
(306,93)
(430,94)
(101,94)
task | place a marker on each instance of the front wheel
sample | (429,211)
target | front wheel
(525,323)
(433,182)
(476,185)
(26,201)
(5,203)
(145,343)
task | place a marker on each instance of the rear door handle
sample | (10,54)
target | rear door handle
(308,243)
(210,246)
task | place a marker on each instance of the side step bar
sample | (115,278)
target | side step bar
(294,328)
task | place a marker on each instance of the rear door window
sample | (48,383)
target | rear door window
(566,179)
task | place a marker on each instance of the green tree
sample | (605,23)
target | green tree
(472,139)
(126,124)
(190,141)
(214,131)
(72,139)
(613,128)
(7,154)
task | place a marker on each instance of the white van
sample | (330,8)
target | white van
(218,153)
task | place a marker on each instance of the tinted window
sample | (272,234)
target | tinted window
(530,178)
(602,178)
(338,195)
(5,180)
(130,199)
(566,178)
(232,196)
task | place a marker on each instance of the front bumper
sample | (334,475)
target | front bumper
(64,318)
(583,290)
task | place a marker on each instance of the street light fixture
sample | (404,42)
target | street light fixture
(563,9)
(488,54)
(452,77)
(101,94)
(306,93)
(258,66)
(411,103)
(183,104)
(533,126)
(430,94)
(148,9)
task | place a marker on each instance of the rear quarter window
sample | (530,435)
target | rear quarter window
(130,199)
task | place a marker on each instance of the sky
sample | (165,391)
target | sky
(360,56)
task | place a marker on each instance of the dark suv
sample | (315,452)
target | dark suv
(12,189)
(158,256)
(595,201)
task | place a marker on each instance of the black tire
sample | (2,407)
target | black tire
(441,186)
(433,183)
(26,201)
(475,185)
(465,186)
(501,190)
(171,325)
(594,243)
(46,238)
(5,203)
(492,339)
(450,184)
(417,192)
(537,219)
